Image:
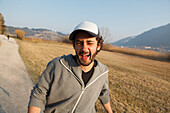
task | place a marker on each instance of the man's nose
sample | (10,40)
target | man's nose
(85,47)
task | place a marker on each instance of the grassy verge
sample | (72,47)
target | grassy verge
(136,84)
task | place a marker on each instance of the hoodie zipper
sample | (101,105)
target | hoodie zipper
(78,100)
(83,89)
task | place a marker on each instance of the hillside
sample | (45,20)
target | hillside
(156,37)
(37,33)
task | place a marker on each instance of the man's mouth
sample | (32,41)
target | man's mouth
(84,56)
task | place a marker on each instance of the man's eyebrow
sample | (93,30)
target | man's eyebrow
(90,40)
(77,40)
(87,40)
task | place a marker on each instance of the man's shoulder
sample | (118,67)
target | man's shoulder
(102,66)
(57,59)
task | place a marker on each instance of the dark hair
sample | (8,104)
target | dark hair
(100,42)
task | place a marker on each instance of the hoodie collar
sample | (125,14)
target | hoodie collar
(70,63)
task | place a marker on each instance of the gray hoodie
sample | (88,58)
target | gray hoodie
(62,90)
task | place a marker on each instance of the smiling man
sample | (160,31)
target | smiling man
(73,83)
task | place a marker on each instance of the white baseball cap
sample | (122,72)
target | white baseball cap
(89,27)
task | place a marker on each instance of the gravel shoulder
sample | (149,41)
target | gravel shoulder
(15,83)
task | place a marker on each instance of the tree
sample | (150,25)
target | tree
(105,32)
(20,33)
(2,25)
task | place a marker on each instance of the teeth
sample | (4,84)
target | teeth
(85,55)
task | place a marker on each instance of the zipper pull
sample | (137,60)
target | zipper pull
(82,89)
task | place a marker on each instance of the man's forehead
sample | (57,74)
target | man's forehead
(85,39)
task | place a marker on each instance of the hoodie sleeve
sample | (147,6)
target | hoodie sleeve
(41,89)
(104,95)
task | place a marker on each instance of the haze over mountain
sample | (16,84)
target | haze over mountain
(156,37)
(37,33)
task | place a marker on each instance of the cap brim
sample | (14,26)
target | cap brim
(73,34)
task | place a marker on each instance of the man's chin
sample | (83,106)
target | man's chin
(82,62)
(85,63)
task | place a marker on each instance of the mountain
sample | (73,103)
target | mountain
(156,37)
(123,41)
(37,33)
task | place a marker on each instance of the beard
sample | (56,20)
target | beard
(88,55)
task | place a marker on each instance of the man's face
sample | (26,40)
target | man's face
(86,48)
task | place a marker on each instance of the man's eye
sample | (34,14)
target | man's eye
(78,43)
(90,43)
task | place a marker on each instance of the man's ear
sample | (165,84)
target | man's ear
(98,47)
(73,44)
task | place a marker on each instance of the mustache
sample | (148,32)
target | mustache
(83,52)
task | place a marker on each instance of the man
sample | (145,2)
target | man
(8,37)
(73,83)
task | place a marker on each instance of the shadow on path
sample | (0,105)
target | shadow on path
(6,92)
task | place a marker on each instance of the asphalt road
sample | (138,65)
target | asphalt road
(15,83)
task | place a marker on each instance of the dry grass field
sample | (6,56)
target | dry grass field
(138,52)
(137,85)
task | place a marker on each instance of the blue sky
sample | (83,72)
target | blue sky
(123,17)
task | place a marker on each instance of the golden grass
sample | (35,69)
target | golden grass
(36,55)
(37,40)
(136,84)
(138,52)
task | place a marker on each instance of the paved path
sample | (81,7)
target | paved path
(15,83)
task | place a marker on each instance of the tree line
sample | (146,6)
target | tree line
(2,25)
